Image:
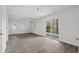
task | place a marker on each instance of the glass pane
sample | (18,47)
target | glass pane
(55,26)
(52,26)
(48,27)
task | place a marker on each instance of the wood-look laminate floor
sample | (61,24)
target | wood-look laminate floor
(30,43)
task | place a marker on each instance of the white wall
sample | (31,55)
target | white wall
(22,26)
(4,28)
(78,49)
(69,28)
(38,27)
(0,29)
(68,25)
(78,26)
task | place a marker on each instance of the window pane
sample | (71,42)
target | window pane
(52,26)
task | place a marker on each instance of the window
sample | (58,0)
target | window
(52,26)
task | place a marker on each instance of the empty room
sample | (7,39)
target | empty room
(39,28)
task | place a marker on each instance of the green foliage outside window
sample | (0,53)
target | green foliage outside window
(52,26)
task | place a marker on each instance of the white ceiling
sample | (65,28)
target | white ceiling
(31,12)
